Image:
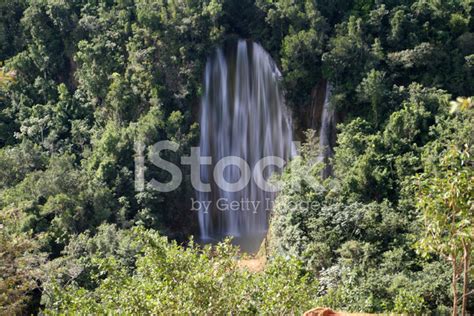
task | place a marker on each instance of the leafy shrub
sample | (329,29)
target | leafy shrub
(168,279)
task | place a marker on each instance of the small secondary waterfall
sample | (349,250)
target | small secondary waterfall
(242,114)
(326,131)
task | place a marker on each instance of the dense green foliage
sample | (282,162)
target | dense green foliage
(125,267)
(84,81)
(359,229)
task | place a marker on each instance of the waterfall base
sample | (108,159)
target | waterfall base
(249,244)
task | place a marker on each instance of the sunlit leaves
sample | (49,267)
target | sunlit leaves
(461,104)
(446,199)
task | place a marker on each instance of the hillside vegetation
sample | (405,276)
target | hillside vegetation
(82,82)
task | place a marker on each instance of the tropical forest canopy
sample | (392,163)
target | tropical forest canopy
(83,81)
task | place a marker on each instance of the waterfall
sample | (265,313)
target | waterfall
(242,114)
(326,132)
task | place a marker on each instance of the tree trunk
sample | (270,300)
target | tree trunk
(454,287)
(465,277)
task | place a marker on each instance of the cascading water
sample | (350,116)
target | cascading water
(242,114)
(326,132)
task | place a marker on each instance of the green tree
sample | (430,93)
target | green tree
(446,199)
(21,265)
